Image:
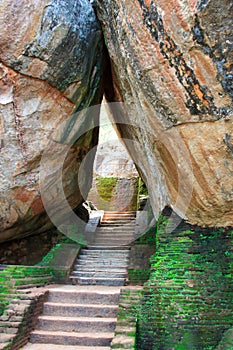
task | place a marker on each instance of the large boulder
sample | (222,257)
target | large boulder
(50,68)
(171,69)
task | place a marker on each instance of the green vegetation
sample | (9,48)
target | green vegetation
(7,288)
(49,256)
(106,187)
(142,189)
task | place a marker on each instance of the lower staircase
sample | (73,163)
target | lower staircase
(83,316)
(77,317)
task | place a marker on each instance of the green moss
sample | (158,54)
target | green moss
(106,187)
(138,276)
(148,238)
(187,301)
(49,256)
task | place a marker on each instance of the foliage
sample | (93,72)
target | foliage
(142,189)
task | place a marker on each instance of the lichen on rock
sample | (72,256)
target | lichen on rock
(172,71)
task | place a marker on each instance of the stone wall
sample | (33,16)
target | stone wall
(21,317)
(126,327)
(114,193)
(187,302)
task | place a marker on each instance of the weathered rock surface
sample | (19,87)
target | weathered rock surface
(50,66)
(115,178)
(112,159)
(170,62)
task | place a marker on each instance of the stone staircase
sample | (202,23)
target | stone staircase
(83,315)
(77,317)
(105,262)
(116,229)
(101,266)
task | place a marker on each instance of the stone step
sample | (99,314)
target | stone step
(76,324)
(112,221)
(119,242)
(92,255)
(131,212)
(108,238)
(5,337)
(98,281)
(31,346)
(124,232)
(114,235)
(102,264)
(105,254)
(108,247)
(115,226)
(85,295)
(71,338)
(116,223)
(105,251)
(82,310)
(113,238)
(116,229)
(103,259)
(99,274)
(118,217)
(112,224)
(103,268)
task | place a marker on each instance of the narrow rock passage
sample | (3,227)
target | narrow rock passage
(84,315)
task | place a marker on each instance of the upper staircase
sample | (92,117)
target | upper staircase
(105,261)
(116,229)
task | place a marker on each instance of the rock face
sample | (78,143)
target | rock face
(112,159)
(170,63)
(50,67)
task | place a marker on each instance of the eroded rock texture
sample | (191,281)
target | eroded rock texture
(170,62)
(50,66)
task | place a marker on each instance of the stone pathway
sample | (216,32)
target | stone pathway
(84,315)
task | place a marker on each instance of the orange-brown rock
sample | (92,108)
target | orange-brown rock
(50,66)
(171,67)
